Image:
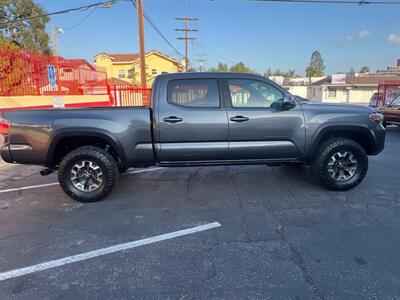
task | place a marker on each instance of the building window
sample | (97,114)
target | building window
(154,71)
(131,73)
(331,92)
(121,73)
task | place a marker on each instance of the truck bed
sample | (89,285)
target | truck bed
(34,134)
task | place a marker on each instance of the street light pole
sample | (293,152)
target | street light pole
(142,53)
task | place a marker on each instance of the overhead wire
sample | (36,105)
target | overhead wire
(82,20)
(359,2)
(60,12)
(146,16)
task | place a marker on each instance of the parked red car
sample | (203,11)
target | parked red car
(391,112)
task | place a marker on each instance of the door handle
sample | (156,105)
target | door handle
(239,119)
(172,119)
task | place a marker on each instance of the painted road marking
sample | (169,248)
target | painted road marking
(28,187)
(56,183)
(3,164)
(104,251)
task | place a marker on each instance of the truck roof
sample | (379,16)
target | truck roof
(197,75)
(211,74)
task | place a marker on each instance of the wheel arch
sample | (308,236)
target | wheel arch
(82,137)
(357,133)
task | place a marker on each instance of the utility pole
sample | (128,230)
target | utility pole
(201,59)
(142,54)
(55,53)
(54,44)
(186,30)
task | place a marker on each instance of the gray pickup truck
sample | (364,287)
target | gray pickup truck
(196,119)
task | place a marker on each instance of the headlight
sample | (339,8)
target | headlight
(376,117)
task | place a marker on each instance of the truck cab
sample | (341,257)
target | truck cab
(217,117)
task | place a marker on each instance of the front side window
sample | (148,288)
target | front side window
(154,71)
(194,92)
(253,93)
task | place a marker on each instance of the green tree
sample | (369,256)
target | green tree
(240,68)
(278,72)
(351,72)
(364,70)
(268,72)
(290,74)
(22,22)
(12,69)
(220,68)
(316,67)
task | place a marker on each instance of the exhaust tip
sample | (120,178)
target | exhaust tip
(46,172)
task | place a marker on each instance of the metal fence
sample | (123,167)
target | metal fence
(130,96)
(24,72)
(387,91)
(28,73)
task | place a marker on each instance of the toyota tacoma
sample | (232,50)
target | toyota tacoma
(195,119)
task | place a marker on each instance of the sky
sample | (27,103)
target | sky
(261,34)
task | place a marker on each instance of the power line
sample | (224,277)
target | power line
(105,4)
(359,2)
(201,59)
(157,29)
(82,20)
(186,38)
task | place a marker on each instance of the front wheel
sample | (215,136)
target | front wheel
(88,174)
(340,164)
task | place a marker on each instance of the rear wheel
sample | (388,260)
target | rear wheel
(340,164)
(88,174)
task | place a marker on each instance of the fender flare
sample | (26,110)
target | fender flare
(58,135)
(324,130)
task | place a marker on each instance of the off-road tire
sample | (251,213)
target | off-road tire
(319,164)
(101,158)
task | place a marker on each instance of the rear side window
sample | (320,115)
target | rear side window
(194,92)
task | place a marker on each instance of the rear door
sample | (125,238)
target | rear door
(256,131)
(192,123)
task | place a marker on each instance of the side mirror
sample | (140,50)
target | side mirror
(285,104)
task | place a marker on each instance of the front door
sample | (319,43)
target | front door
(193,125)
(256,131)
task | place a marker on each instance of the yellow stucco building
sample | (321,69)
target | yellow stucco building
(127,67)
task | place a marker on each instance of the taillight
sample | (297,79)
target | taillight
(4,127)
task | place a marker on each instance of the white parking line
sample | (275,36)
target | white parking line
(3,164)
(28,187)
(117,248)
(56,183)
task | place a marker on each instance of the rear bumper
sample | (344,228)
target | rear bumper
(20,153)
(5,153)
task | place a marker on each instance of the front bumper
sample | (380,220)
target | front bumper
(379,134)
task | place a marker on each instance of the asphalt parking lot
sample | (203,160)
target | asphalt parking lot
(281,235)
